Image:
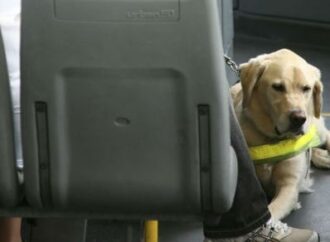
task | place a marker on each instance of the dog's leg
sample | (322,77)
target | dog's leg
(287,177)
(284,202)
(321,157)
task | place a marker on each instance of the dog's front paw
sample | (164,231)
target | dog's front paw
(321,158)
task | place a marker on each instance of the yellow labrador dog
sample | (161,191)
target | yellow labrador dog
(280,97)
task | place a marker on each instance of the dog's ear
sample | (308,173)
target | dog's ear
(317,90)
(250,73)
(317,94)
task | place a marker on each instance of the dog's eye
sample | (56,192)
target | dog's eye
(306,88)
(278,87)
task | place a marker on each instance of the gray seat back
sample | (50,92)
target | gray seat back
(125,107)
(9,190)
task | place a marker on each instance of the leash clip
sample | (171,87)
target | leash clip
(232,64)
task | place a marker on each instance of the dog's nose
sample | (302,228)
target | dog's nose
(297,119)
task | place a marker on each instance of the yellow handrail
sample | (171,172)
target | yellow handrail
(151,230)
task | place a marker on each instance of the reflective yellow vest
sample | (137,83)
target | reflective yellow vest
(272,153)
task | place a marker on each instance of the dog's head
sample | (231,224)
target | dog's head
(281,93)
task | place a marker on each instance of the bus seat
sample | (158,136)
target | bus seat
(9,187)
(125,107)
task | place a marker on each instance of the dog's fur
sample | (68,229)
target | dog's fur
(272,87)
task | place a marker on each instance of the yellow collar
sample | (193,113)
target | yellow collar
(271,153)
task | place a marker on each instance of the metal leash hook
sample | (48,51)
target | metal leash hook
(232,64)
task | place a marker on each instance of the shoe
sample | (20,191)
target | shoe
(274,231)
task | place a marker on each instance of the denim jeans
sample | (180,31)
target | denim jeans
(249,210)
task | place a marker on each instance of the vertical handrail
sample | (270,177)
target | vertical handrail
(151,231)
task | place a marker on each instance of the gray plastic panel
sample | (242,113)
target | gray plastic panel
(9,194)
(296,9)
(235,4)
(110,108)
(117,11)
(226,10)
(227,24)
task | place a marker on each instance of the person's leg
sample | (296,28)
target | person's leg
(249,218)
(10,230)
(250,207)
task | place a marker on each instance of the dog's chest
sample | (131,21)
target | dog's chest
(264,173)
